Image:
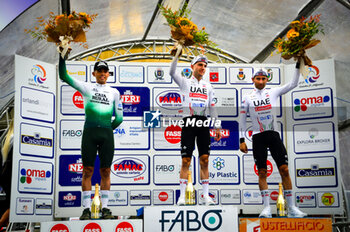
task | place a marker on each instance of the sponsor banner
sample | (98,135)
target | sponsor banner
(69,199)
(77,71)
(35,177)
(224,170)
(316,172)
(131,134)
(43,206)
(168,101)
(273,75)
(131,74)
(168,137)
(163,197)
(226,102)
(71,171)
(312,104)
(241,75)
(278,108)
(273,196)
(36,140)
(250,172)
(328,199)
(112,72)
(314,78)
(314,137)
(130,170)
(158,75)
(248,134)
(184,218)
(118,198)
(166,169)
(215,75)
(135,100)
(213,193)
(140,197)
(134,225)
(37,105)
(72,101)
(285,224)
(71,133)
(25,206)
(230,196)
(229,139)
(251,197)
(305,199)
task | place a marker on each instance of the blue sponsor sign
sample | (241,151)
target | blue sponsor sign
(71,171)
(69,199)
(135,100)
(229,139)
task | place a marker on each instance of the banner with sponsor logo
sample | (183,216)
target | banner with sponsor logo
(33,174)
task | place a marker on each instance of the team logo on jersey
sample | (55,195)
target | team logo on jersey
(186,72)
(159,74)
(269,75)
(241,76)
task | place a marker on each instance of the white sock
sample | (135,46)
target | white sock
(205,186)
(289,197)
(104,198)
(86,199)
(183,183)
(265,194)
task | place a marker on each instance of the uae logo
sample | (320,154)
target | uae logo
(241,75)
(186,72)
(269,75)
(159,74)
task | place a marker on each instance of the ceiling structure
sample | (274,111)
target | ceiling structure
(243,29)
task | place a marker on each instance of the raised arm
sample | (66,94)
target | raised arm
(118,108)
(62,71)
(179,80)
(291,85)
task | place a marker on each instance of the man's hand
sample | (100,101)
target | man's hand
(243,147)
(218,134)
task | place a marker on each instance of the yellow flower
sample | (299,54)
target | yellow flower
(83,14)
(292,33)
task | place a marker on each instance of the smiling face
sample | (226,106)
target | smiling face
(199,69)
(260,81)
(101,76)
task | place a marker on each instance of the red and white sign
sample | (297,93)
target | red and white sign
(269,168)
(78,100)
(172,134)
(59,228)
(92,227)
(163,196)
(124,227)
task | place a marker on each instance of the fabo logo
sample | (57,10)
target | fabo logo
(27,175)
(269,168)
(124,227)
(172,134)
(190,220)
(78,100)
(39,74)
(303,103)
(72,133)
(129,99)
(186,72)
(314,74)
(327,199)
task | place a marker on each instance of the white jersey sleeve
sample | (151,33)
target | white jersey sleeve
(179,80)
(289,86)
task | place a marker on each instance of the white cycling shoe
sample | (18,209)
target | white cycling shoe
(181,201)
(294,212)
(207,200)
(266,213)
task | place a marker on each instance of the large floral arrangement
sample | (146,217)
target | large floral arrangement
(299,38)
(63,29)
(184,31)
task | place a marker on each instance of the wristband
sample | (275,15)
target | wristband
(241,140)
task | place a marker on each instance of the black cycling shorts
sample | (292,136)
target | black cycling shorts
(191,133)
(271,140)
(99,140)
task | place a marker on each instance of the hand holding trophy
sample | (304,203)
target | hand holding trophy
(184,31)
(63,29)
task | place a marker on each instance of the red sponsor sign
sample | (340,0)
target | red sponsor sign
(214,76)
(59,228)
(124,227)
(92,227)
(163,196)
(172,134)
(274,195)
(269,168)
(78,100)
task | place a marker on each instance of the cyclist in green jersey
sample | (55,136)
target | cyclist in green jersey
(100,102)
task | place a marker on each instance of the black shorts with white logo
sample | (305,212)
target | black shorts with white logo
(191,133)
(271,140)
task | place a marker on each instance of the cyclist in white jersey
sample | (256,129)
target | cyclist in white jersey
(261,104)
(197,96)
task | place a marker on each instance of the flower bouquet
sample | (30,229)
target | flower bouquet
(63,29)
(299,38)
(184,31)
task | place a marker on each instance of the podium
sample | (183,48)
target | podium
(285,224)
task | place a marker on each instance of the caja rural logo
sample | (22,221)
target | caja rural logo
(305,102)
(27,175)
(39,74)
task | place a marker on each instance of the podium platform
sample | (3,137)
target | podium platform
(132,225)
(285,224)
